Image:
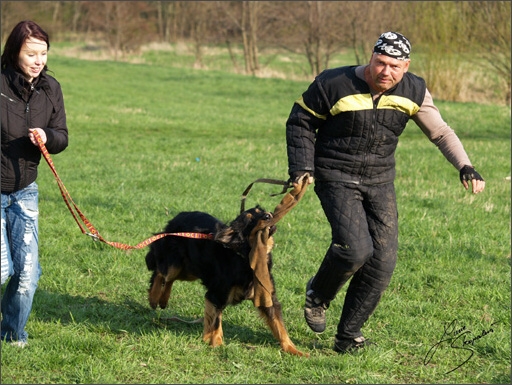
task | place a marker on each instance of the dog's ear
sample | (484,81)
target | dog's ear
(230,236)
(224,235)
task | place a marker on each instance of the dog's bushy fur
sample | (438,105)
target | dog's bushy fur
(222,264)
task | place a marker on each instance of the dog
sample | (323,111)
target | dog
(222,260)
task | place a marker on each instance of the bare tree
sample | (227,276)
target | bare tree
(320,29)
(199,23)
(77,10)
(492,21)
(167,16)
(365,21)
(457,35)
(198,19)
(8,18)
(122,24)
(13,12)
(313,41)
(55,16)
(449,37)
(249,26)
(243,18)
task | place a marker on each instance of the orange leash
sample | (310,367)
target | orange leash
(92,230)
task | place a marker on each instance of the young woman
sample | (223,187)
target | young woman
(31,100)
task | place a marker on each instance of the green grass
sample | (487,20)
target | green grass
(149,141)
(272,61)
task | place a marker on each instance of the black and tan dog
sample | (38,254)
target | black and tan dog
(233,262)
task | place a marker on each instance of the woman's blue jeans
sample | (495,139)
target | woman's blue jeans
(20,260)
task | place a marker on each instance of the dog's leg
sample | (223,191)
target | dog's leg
(160,289)
(172,274)
(155,290)
(274,318)
(212,332)
(166,292)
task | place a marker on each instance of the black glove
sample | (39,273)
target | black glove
(467,173)
(296,175)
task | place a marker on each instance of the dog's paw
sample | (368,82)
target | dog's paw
(291,349)
(213,339)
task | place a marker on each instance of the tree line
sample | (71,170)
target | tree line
(316,29)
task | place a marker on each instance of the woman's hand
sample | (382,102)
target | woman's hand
(32,137)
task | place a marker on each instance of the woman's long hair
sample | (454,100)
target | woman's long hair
(21,32)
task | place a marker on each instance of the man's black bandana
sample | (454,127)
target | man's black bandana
(393,44)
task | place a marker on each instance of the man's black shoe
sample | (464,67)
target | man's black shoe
(349,345)
(314,310)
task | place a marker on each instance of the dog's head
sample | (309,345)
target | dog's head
(241,231)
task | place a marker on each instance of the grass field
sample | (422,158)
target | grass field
(149,141)
(454,77)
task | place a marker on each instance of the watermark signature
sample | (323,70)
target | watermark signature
(457,336)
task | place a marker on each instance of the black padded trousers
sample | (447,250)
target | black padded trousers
(364,246)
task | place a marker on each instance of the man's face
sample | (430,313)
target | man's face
(32,58)
(386,72)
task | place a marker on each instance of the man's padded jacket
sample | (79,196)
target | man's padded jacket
(338,131)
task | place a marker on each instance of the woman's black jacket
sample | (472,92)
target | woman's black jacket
(24,106)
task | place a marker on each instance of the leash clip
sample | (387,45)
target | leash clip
(95,237)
